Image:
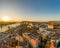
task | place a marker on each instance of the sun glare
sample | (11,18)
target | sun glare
(5,18)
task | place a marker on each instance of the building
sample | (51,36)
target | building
(57,26)
(50,26)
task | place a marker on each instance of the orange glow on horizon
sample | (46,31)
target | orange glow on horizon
(9,19)
(5,18)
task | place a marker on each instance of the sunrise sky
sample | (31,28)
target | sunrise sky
(30,10)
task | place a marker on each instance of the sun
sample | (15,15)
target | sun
(5,18)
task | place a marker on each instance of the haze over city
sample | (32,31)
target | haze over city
(30,10)
(29,23)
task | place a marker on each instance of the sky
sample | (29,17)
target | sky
(31,10)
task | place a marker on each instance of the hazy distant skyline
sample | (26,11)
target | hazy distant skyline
(29,10)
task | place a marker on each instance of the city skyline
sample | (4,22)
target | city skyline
(30,10)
